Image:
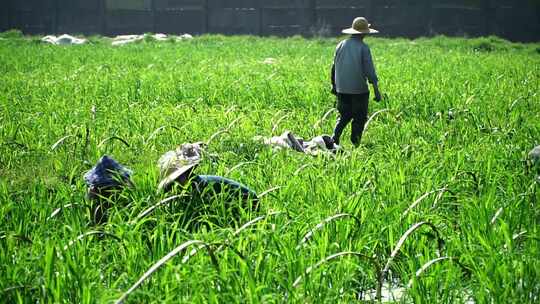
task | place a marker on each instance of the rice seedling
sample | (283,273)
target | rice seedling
(162,261)
(320,225)
(445,157)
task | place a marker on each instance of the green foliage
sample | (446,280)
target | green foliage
(149,37)
(457,127)
(11,34)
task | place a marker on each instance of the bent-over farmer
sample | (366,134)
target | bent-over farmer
(352,66)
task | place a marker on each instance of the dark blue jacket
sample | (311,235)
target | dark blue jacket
(221,184)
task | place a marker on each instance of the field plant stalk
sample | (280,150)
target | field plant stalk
(443,157)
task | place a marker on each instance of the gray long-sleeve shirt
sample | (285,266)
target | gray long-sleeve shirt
(353,66)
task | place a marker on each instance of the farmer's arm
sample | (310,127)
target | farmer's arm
(333,78)
(370,74)
(333,70)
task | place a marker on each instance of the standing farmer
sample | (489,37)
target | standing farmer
(352,66)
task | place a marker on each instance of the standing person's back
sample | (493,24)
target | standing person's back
(353,65)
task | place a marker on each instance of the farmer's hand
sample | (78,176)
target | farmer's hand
(377,97)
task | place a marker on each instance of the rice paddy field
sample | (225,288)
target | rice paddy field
(437,205)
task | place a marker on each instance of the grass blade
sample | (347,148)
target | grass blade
(90,233)
(323,118)
(427,265)
(264,193)
(195,250)
(61,140)
(238,166)
(320,225)
(276,125)
(160,203)
(497,214)
(402,240)
(420,199)
(115,138)
(330,258)
(158,264)
(373,116)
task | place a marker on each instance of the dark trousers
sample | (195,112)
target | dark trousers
(351,107)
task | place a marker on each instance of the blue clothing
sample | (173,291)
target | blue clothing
(220,184)
(107,173)
(353,66)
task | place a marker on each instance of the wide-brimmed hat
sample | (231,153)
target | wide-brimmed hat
(179,175)
(360,25)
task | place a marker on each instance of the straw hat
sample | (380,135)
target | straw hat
(180,175)
(360,25)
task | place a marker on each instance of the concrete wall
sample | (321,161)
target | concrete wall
(517,20)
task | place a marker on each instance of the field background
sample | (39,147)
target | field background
(459,114)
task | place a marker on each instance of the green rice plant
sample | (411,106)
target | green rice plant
(320,225)
(445,149)
(11,34)
(162,261)
(403,238)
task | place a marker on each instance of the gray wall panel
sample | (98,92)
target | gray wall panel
(129,22)
(137,5)
(342,3)
(234,3)
(172,5)
(179,22)
(234,21)
(511,19)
